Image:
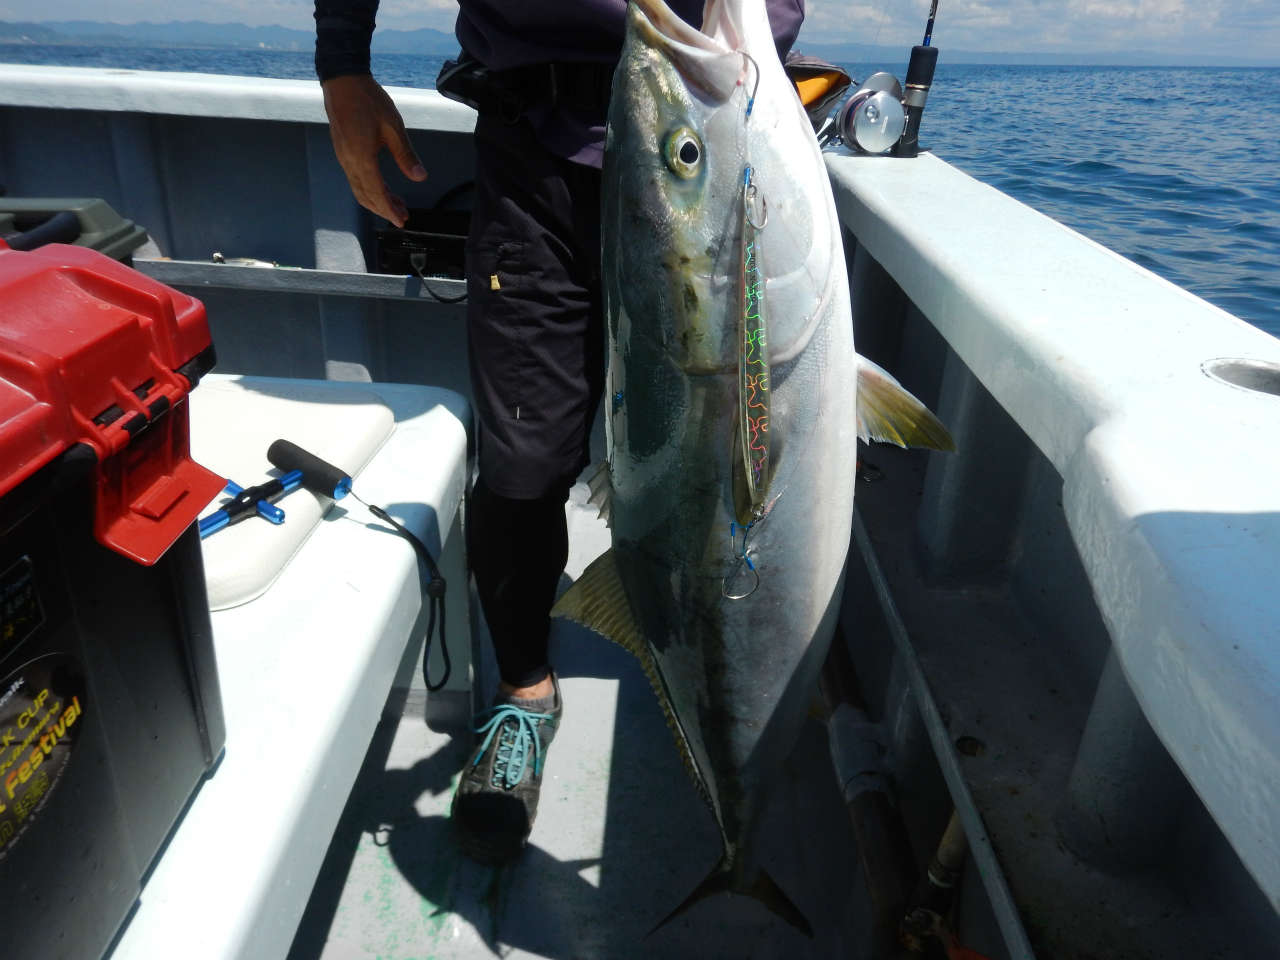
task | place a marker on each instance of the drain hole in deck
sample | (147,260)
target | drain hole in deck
(1256,375)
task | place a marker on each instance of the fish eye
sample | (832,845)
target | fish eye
(683,152)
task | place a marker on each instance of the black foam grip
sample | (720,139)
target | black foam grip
(920,67)
(318,476)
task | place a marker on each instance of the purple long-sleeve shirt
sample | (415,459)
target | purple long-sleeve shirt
(504,35)
(501,34)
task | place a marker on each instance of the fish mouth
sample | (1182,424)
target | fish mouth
(710,60)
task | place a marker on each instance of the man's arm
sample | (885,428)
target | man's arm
(362,118)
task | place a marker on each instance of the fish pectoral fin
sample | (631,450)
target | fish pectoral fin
(889,413)
(762,888)
(601,486)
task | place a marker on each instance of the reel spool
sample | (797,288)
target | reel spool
(872,120)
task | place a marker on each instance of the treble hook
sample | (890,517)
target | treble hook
(750,195)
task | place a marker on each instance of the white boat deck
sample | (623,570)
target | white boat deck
(621,836)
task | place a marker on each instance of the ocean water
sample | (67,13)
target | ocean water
(1176,168)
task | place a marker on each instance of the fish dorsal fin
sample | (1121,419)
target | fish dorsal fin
(887,412)
(598,601)
(601,486)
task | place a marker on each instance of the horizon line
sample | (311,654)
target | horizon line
(1107,57)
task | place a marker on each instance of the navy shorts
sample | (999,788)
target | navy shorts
(535,332)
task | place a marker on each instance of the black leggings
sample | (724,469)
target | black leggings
(518,550)
(535,339)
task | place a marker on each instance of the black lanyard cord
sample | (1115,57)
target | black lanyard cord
(435,593)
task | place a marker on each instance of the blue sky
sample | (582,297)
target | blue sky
(1232,28)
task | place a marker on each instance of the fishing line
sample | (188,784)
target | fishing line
(733,537)
(875,42)
(743,558)
(749,189)
(751,101)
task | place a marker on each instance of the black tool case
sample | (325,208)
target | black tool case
(110,715)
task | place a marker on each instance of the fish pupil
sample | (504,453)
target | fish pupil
(689,153)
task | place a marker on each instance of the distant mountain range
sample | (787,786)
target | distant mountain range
(864,53)
(436,42)
(191,33)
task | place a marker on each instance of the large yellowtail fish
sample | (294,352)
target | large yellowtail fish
(732,419)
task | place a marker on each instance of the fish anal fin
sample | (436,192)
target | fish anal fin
(889,413)
(598,601)
(762,888)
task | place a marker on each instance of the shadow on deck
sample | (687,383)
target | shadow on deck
(621,838)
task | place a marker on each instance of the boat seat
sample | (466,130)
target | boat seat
(314,620)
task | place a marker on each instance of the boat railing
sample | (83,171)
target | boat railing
(1159,413)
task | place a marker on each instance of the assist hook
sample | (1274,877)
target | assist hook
(754,206)
(732,586)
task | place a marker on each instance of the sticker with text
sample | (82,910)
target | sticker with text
(42,706)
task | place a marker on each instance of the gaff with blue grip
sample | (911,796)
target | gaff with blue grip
(244,503)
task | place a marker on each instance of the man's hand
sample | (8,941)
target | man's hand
(363,120)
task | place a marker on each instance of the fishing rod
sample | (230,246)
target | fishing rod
(928,27)
(924,58)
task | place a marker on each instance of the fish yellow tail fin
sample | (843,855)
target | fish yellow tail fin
(762,888)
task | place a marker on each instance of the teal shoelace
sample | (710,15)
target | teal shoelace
(517,732)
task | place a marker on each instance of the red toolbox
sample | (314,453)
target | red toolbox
(110,714)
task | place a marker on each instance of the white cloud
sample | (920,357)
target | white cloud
(415,14)
(1242,28)
(1246,28)
(287,13)
(297,14)
(976,16)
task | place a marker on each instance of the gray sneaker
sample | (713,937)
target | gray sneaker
(497,796)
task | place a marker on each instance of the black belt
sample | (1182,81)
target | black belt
(582,87)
